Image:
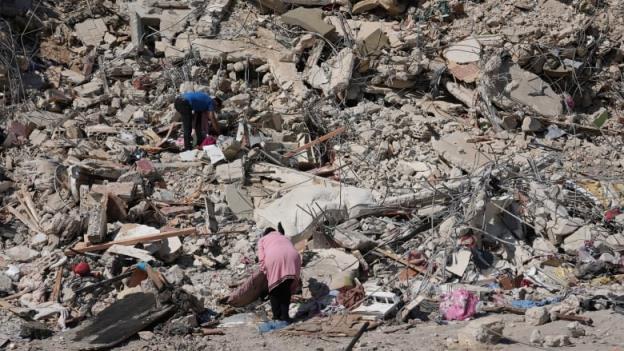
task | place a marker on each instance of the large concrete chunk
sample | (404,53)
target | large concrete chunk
(286,75)
(308,19)
(511,85)
(456,150)
(300,209)
(96,231)
(91,32)
(239,202)
(480,332)
(465,51)
(328,269)
(530,90)
(371,38)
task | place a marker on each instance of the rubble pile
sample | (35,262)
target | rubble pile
(431,161)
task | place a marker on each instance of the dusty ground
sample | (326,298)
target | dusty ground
(604,335)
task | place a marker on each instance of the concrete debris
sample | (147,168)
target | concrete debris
(422,170)
(536,316)
(91,32)
(465,51)
(308,19)
(480,332)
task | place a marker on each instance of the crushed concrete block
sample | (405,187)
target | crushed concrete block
(530,124)
(91,89)
(411,167)
(309,19)
(371,38)
(183,325)
(576,330)
(91,32)
(6,284)
(536,316)
(38,137)
(230,172)
(124,190)
(96,230)
(557,340)
(126,114)
(481,331)
(170,249)
(536,337)
(21,253)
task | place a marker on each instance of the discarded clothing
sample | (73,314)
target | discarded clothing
(268,327)
(534,303)
(458,305)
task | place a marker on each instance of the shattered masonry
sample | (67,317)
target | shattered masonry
(432,161)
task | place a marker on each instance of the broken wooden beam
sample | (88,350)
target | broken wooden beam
(316,141)
(58,282)
(82,247)
(399,259)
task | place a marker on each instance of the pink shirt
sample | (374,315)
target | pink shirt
(279,260)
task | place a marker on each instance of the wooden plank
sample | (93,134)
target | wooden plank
(82,247)
(31,206)
(316,141)
(397,258)
(177,210)
(58,281)
(23,219)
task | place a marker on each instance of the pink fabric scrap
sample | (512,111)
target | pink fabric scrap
(459,305)
(208,140)
(279,260)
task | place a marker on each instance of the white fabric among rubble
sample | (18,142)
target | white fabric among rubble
(298,209)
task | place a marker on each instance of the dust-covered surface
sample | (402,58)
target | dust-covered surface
(433,162)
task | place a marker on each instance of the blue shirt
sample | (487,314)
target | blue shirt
(199,101)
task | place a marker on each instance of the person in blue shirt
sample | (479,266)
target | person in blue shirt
(201,107)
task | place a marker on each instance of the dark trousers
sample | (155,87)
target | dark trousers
(184,108)
(280,300)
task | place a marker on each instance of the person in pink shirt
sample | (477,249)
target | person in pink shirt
(281,263)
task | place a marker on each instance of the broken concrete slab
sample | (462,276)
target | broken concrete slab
(393,7)
(465,51)
(118,322)
(239,201)
(371,38)
(455,149)
(230,172)
(309,19)
(91,89)
(481,332)
(348,237)
(513,85)
(91,32)
(21,253)
(301,208)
